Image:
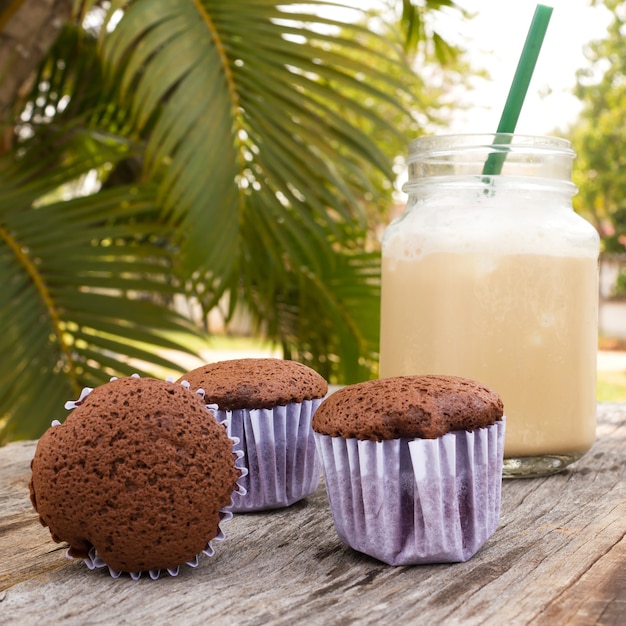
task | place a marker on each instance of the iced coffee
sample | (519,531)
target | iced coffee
(495,279)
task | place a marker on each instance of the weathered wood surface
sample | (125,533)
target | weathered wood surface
(558,557)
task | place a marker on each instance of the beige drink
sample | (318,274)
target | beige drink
(491,275)
(523,324)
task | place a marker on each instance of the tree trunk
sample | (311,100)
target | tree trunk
(27,30)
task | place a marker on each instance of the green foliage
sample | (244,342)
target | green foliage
(611,387)
(241,150)
(620,284)
(421,32)
(68,304)
(599,135)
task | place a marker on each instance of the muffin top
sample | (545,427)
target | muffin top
(139,470)
(256,383)
(426,407)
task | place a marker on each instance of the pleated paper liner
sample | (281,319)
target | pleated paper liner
(410,501)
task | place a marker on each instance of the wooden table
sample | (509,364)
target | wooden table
(558,557)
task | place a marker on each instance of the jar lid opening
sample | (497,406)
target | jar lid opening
(446,144)
(517,155)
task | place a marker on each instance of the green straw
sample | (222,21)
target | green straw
(519,87)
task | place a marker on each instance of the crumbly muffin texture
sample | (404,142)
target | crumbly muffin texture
(139,470)
(256,383)
(427,407)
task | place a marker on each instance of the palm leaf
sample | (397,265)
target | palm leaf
(68,307)
(326,316)
(417,24)
(213,111)
(338,336)
(236,144)
(254,140)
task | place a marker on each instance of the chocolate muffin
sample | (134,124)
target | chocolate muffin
(256,383)
(138,477)
(267,404)
(413,466)
(408,406)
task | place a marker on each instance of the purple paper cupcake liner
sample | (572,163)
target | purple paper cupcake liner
(278,443)
(410,501)
(93,561)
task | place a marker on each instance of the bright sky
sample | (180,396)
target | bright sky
(495,38)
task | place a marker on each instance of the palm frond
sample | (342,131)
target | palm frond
(71,303)
(325,315)
(238,146)
(338,336)
(417,24)
(243,89)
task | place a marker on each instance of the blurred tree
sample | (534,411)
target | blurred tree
(29,28)
(599,135)
(419,20)
(232,149)
(431,89)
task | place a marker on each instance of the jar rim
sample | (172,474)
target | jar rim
(432,145)
(472,182)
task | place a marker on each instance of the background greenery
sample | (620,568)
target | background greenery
(234,153)
(599,137)
(237,154)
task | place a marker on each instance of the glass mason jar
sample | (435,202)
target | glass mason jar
(494,277)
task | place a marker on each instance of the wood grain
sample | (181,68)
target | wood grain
(558,557)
